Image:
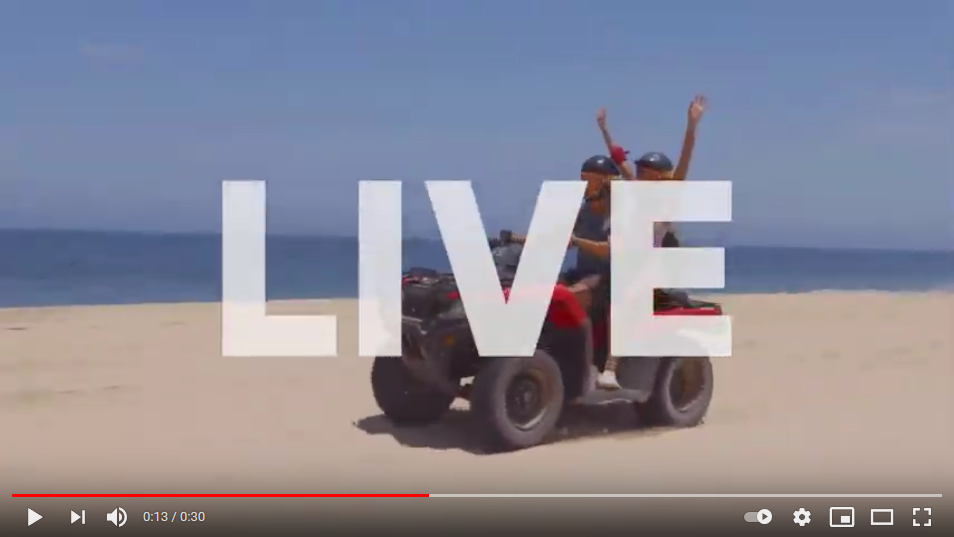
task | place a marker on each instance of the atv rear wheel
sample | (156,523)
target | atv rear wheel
(518,401)
(681,394)
(404,399)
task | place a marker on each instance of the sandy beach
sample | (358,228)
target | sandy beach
(827,391)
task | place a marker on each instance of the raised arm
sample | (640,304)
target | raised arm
(615,152)
(696,109)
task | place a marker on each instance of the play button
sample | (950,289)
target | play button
(764,516)
(32,516)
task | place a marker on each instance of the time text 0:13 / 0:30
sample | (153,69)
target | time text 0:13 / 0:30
(173,516)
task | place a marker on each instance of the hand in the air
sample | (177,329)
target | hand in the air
(601,118)
(697,108)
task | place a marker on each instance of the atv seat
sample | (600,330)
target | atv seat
(664,299)
(675,298)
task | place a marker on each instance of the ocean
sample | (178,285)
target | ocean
(46,268)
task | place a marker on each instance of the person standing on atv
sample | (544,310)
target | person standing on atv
(653,166)
(656,166)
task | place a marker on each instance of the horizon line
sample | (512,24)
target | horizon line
(313,235)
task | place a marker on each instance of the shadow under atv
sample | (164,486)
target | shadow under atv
(455,431)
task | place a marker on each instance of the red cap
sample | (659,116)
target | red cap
(618,154)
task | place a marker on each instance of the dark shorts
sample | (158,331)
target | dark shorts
(600,286)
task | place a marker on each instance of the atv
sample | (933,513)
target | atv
(518,400)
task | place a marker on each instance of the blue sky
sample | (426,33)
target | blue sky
(833,119)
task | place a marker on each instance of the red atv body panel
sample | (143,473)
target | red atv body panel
(565,311)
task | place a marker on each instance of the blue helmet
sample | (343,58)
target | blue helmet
(603,166)
(655,161)
(600,164)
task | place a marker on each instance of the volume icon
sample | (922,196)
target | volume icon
(117,516)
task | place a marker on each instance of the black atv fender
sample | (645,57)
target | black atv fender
(426,358)
(638,375)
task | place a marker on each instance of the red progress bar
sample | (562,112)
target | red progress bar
(220,495)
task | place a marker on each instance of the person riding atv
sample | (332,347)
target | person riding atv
(592,289)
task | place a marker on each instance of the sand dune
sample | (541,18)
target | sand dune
(826,391)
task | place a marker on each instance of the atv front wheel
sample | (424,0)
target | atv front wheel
(518,401)
(681,395)
(404,399)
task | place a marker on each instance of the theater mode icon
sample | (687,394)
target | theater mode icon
(882,517)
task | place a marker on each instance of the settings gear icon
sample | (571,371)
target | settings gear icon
(802,516)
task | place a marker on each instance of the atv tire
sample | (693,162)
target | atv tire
(405,400)
(664,408)
(517,401)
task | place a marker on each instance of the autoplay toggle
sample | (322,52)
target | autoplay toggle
(763,516)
